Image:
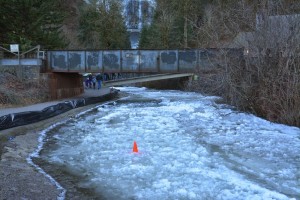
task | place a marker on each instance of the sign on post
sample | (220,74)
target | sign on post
(14,48)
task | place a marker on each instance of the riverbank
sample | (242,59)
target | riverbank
(37,107)
(186,142)
(19,179)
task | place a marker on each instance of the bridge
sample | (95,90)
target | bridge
(137,61)
(63,69)
(128,61)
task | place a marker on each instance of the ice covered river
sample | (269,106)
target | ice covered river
(189,148)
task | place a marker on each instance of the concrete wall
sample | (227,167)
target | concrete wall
(22,61)
(24,68)
(22,72)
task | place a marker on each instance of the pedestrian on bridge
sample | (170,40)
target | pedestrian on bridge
(99,78)
(94,80)
(90,81)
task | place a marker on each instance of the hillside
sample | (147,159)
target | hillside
(14,92)
(71,23)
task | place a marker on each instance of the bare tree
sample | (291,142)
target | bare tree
(266,81)
(275,65)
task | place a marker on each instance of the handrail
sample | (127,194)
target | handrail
(18,54)
(9,51)
(36,47)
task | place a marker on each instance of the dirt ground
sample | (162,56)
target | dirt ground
(18,178)
(15,92)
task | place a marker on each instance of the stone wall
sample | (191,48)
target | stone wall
(22,72)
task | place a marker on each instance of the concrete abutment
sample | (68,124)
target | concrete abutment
(63,85)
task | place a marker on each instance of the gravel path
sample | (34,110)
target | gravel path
(41,106)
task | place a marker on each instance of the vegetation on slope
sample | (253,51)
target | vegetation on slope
(14,92)
(266,83)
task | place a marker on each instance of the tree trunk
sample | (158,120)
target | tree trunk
(185,32)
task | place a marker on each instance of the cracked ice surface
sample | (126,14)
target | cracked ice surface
(189,148)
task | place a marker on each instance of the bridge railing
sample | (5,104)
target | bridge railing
(137,61)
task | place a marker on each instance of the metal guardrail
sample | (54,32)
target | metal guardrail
(19,58)
(21,62)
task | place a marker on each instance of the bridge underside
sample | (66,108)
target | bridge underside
(65,85)
(142,79)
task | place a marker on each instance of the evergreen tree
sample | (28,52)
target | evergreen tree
(31,22)
(148,38)
(174,24)
(145,38)
(88,35)
(102,26)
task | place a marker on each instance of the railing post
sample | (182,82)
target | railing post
(49,61)
(102,61)
(158,61)
(121,61)
(68,61)
(178,61)
(139,61)
(85,67)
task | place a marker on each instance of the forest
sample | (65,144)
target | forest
(266,82)
(76,24)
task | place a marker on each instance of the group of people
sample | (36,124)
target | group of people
(92,80)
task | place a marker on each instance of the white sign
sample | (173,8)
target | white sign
(14,48)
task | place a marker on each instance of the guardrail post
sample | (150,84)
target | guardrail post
(139,61)
(85,64)
(158,62)
(178,69)
(121,60)
(68,61)
(102,61)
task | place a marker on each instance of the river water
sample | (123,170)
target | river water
(189,147)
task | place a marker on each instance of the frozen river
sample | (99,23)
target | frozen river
(189,148)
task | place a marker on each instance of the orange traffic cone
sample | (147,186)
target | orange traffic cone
(135,148)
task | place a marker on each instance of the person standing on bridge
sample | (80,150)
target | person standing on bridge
(90,81)
(94,80)
(99,79)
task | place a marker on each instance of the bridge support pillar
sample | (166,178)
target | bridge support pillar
(64,85)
